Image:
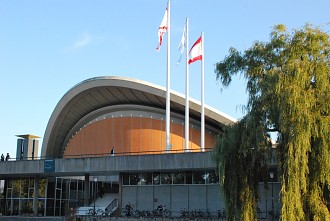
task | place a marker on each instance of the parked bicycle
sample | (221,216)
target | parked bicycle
(94,212)
(222,214)
(129,211)
(197,213)
(144,213)
(184,213)
(161,211)
(107,213)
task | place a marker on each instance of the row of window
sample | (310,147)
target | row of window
(157,178)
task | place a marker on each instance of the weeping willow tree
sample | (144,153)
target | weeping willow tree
(242,166)
(288,84)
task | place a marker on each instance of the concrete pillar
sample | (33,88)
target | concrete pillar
(46,196)
(36,196)
(20,197)
(120,194)
(86,190)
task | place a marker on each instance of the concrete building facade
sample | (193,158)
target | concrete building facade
(127,116)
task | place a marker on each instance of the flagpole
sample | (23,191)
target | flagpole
(168,99)
(202,100)
(187,93)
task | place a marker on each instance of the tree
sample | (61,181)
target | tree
(288,84)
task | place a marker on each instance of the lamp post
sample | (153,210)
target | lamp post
(94,194)
(271,176)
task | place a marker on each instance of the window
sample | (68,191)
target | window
(198,177)
(134,179)
(145,179)
(178,178)
(188,177)
(166,178)
(181,177)
(156,178)
(125,179)
(212,177)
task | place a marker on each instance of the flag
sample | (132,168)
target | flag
(182,44)
(162,29)
(196,52)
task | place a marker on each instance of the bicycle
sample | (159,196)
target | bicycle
(161,211)
(184,213)
(94,212)
(129,211)
(222,214)
(106,213)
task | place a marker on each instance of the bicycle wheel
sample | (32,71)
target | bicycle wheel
(99,212)
(91,212)
(135,213)
(166,213)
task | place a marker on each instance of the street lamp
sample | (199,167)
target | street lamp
(94,193)
(271,176)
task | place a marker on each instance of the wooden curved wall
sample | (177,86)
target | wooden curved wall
(132,135)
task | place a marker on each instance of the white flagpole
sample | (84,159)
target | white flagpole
(168,99)
(187,92)
(202,100)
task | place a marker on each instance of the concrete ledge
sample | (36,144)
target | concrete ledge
(108,165)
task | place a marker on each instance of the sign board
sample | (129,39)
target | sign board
(49,166)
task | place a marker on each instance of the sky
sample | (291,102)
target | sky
(48,46)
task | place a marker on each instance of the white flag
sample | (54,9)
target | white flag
(182,44)
(196,52)
(162,29)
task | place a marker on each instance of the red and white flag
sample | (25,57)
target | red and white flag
(162,29)
(196,51)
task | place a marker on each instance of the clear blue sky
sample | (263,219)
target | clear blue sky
(48,46)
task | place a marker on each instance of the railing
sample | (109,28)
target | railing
(88,155)
(112,206)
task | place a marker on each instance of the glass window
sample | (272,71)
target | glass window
(134,179)
(73,184)
(142,180)
(188,177)
(178,178)
(10,183)
(30,194)
(16,188)
(145,179)
(80,185)
(166,178)
(15,207)
(58,182)
(213,177)
(25,188)
(9,192)
(272,175)
(156,178)
(50,192)
(125,179)
(198,177)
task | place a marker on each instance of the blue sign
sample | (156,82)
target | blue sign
(49,166)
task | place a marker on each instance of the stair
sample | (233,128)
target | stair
(108,201)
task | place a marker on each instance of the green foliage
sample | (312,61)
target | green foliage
(288,82)
(241,157)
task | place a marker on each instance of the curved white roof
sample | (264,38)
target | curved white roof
(100,92)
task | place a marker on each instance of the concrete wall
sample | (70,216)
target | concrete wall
(269,196)
(191,197)
(104,166)
(174,197)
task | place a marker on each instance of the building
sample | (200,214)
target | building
(107,135)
